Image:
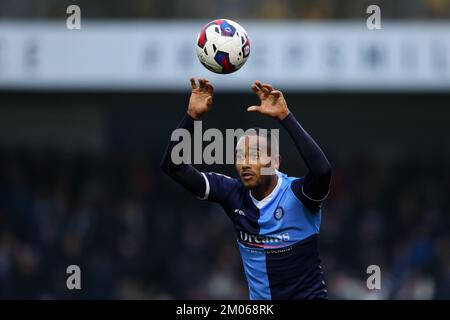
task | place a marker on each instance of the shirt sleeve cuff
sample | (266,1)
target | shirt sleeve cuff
(207,189)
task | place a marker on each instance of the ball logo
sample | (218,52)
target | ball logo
(278,214)
(246,50)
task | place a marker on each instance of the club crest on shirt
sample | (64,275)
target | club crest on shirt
(279,213)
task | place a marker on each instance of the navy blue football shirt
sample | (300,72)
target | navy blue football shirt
(277,236)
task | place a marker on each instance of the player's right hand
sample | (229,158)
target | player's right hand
(201,98)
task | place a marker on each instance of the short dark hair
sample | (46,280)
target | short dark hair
(264,133)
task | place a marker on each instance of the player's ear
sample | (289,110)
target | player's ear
(276,160)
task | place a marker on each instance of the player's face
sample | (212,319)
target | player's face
(252,156)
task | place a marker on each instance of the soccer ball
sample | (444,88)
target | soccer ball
(223,46)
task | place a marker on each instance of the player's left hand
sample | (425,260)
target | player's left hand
(272,104)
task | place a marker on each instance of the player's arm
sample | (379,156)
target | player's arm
(185,174)
(315,187)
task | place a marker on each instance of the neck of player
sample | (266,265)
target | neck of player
(266,188)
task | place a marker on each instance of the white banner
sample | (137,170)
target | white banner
(161,55)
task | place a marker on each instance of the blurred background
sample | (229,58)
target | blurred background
(85,116)
(250,9)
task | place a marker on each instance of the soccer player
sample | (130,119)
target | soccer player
(276,217)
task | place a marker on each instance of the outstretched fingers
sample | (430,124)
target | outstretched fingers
(209,87)
(202,83)
(255,89)
(262,88)
(254,109)
(205,85)
(267,86)
(193,84)
(276,93)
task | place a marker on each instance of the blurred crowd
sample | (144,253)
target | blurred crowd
(249,9)
(137,235)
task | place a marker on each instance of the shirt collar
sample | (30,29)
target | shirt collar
(261,203)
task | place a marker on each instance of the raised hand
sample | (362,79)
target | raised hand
(201,98)
(272,104)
